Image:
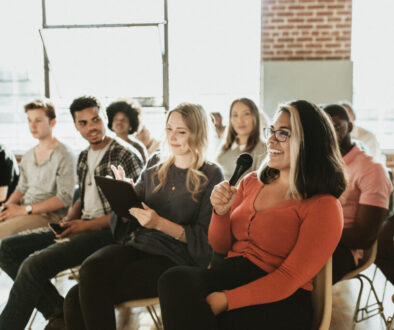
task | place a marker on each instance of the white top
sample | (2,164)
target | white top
(369,140)
(92,207)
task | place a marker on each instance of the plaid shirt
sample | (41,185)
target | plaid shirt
(117,154)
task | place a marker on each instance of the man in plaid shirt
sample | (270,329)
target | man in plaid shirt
(33,259)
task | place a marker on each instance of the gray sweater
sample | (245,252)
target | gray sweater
(227,159)
(175,203)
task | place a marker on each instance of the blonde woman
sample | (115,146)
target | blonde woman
(243,135)
(174,220)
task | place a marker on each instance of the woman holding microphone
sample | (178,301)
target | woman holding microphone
(278,229)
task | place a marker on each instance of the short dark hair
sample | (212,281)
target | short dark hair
(336,110)
(317,166)
(130,108)
(44,104)
(82,103)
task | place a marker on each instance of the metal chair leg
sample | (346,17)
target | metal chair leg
(156,319)
(29,327)
(370,310)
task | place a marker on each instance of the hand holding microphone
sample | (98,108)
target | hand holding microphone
(223,195)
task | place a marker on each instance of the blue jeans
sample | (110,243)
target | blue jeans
(31,261)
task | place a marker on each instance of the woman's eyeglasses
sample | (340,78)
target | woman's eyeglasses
(280,135)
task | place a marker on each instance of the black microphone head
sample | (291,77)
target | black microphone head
(245,160)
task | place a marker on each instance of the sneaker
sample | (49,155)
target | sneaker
(56,322)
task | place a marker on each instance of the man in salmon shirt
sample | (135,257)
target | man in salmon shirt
(365,200)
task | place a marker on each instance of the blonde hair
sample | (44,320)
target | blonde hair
(196,121)
(44,104)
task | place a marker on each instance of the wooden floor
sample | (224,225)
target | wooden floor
(344,298)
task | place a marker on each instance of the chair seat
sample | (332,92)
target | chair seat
(139,303)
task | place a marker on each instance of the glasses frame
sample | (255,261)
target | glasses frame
(268,132)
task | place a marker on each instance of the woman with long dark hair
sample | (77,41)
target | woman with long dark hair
(243,135)
(278,229)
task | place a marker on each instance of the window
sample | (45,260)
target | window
(214,57)
(372,55)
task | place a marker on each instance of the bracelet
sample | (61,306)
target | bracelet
(181,235)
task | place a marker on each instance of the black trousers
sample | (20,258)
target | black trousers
(112,275)
(183,289)
(342,263)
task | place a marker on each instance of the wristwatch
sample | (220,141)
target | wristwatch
(29,209)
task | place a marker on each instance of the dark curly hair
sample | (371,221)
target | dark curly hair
(130,108)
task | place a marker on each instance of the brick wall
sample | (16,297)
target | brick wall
(306,30)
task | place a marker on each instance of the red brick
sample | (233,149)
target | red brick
(285,14)
(342,38)
(284,52)
(335,6)
(305,32)
(278,8)
(313,46)
(323,51)
(315,20)
(324,26)
(296,20)
(285,27)
(279,46)
(344,13)
(296,7)
(307,26)
(342,51)
(304,13)
(268,40)
(334,19)
(323,39)
(285,40)
(343,26)
(303,52)
(324,13)
(268,27)
(304,39)
(315,33)
(335,45)
(277,20)
(294,46)
(314,7)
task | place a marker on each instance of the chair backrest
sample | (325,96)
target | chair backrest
(367,260)
(322,298)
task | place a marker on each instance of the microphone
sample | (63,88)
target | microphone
(244,162)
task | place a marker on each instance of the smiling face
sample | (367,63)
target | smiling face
(39,123)
(177,134)
(90,125)
(241,119)
(121,124)
(279,152)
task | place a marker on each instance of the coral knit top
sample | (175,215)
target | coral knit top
(291,241)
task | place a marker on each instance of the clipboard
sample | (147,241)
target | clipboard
(120,195)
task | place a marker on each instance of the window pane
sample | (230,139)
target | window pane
(107,62)
(103,11)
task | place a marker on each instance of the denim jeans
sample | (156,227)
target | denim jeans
(32,260)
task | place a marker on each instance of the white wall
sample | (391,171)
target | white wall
(315,81)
